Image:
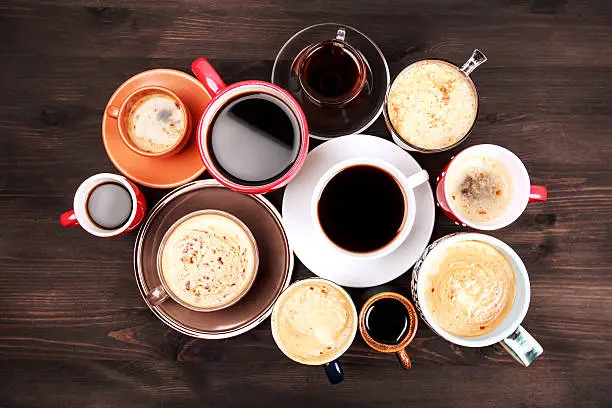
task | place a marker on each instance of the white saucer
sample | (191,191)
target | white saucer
(308,243)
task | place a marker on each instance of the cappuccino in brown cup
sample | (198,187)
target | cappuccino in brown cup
(207,260)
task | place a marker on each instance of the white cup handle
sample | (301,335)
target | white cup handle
(417,179)
(522,346)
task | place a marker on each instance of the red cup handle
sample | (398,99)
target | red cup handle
(538,193)
(68,219)
(207,76)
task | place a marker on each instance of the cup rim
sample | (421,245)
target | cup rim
(523,174)
(276,308)
(169,232)
(176,146)
(81,196)
(414,147)
(382,347)
(409,204)
(520,273)
(339,101)
(258,87)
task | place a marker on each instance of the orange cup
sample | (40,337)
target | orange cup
(122,115)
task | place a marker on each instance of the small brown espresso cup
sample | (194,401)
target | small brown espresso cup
(124,116)
(388,323)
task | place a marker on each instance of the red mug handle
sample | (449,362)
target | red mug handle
(68,219)
(207,76)
(537,193)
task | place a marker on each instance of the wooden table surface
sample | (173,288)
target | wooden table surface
(74,331)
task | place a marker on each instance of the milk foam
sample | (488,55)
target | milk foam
(156,123)
(469,288)
(313,322)
(208,261)
(432,104)
(481,189)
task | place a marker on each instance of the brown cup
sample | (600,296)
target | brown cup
(400,348)
(122,113)
(161,293)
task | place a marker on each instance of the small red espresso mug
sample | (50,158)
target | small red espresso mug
(486,187)
(106,205)
(253,136)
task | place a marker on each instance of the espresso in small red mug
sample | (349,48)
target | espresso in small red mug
(486,187)
(106,205)
(253,136)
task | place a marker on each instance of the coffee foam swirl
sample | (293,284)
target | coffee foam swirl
(208,261)
(313,322)
(470,289)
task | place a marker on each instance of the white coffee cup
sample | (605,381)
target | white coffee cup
(515,339)
(406,184)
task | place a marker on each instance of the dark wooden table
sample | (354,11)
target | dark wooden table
(74,331)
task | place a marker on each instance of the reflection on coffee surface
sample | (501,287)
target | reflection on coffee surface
(208,260)
(432,104)
(254,139)
(362,208)
(469,288)
(156,122)
(313,322)
(387,321)
(481,189)
(109,205)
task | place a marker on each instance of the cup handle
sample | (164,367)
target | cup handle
(474,62)
(334,372)
(417,179)
(341,34)
(112,111)
(403,358)
(157,296)
(208,76)
(522,346)
(537,193)
(68,219)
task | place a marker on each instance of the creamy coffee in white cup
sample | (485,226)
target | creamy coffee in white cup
(314,322)
(365,207)
(506,328)
(486,187)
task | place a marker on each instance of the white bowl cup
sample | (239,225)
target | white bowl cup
(512,336)
(406,184)
(523,191)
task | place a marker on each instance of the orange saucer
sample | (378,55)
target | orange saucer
(166,172)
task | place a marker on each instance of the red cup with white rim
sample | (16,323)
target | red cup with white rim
(486,187)
(106,205)
(253,136)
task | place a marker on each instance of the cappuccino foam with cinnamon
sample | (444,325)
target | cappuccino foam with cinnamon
(432,104)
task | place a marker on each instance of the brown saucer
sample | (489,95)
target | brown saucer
(158,172)
(275,259)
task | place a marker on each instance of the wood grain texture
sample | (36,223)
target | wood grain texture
(74,331)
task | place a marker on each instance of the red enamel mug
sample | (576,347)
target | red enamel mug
(222,96)
(476,160)
(121,201)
